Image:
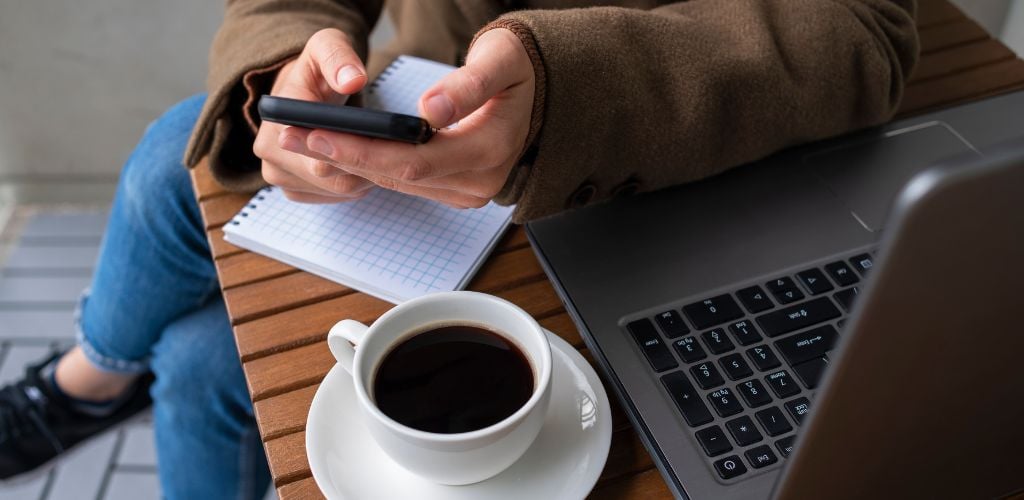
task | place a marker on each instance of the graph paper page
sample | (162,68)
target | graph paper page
(390,245)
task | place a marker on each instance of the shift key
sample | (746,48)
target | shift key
(687,399)
(792,318)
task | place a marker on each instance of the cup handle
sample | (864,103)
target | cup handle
(341,340)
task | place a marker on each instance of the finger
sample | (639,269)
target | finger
(307,174)
(487,72)
(332,53)
(448,197)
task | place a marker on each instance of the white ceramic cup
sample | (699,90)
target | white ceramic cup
(461,458)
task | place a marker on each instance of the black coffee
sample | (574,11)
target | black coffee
(453,379)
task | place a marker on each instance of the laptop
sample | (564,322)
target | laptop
(839,319)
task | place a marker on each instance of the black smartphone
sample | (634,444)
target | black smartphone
(352,120)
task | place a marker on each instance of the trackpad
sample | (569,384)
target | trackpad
(868,175)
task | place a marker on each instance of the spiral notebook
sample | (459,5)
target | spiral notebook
(389,245)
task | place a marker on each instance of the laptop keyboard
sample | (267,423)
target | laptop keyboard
(741,366)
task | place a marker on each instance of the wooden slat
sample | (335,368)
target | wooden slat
(261,299)
(959,59)
(647,485)
(220,248)
(963,86)
(203,183)
(304,325)
(284,414)
(304,489)
(288,371)
(248,267)
(943,36)
(286,456)
(514,238)
(507,270)
(220,210)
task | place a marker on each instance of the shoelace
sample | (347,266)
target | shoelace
(21,412)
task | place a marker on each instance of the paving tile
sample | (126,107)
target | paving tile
(81,473)
(126,485)
(25,489)
(41,290)
(51,258)
(65,224)
(17,358)
(138,447)
(38,323)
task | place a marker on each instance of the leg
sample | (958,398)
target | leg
(154,264)
(207,442)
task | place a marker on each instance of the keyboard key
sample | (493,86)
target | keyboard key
(713,441)
(808,344)
(841,324)
(725,402)
(687,399)
(730,467)
(706,375)
(810,372)
(754,299)
(841,273)
(689,349)
(717,341)
(814,281)
(754,393)
(713,311)
(862,263)
(652,345)
(845,297)
(763,357)
(761,456)
(782,384)
(798,409)
(773,421)
(745,332)
(793,318)
(735,366)
(784,290)
(672,324)
(743,430)
(785,445)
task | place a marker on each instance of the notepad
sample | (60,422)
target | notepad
(389,245)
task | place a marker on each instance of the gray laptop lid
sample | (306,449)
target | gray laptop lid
(926,399)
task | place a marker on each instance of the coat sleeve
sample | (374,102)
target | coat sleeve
(257,38)
(643,99)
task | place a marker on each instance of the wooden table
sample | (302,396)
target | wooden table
(281,315)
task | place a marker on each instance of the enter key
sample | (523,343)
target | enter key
(807,345)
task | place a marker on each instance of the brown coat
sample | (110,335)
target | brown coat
(631,96)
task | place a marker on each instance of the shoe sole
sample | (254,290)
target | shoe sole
(76,450)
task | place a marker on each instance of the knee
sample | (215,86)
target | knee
(197,368)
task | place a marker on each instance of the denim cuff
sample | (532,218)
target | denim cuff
(96,354)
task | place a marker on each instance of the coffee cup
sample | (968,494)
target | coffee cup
(466,455)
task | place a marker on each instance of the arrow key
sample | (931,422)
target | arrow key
(814,281)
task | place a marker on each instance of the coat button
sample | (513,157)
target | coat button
(583,195)
(627,188)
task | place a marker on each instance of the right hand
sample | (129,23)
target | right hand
(328,70)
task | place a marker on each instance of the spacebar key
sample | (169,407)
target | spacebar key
(687,399)
(796,317)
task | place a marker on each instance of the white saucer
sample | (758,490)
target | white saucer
(563,463)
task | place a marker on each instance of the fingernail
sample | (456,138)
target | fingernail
(291,143)
(347,74)
(319,145)
(440,109)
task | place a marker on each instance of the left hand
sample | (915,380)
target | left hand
(491,98)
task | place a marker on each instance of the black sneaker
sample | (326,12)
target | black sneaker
(37,424)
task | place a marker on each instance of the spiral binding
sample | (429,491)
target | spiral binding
(384,74)
(252,205)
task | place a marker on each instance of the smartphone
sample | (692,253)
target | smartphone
(348,119)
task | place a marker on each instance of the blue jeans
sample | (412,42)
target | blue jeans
(155,304)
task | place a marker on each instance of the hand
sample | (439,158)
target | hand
(327,71)
(491,98)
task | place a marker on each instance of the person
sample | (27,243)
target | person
(559,105)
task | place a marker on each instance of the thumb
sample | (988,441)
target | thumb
(338,62)
(494,64)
